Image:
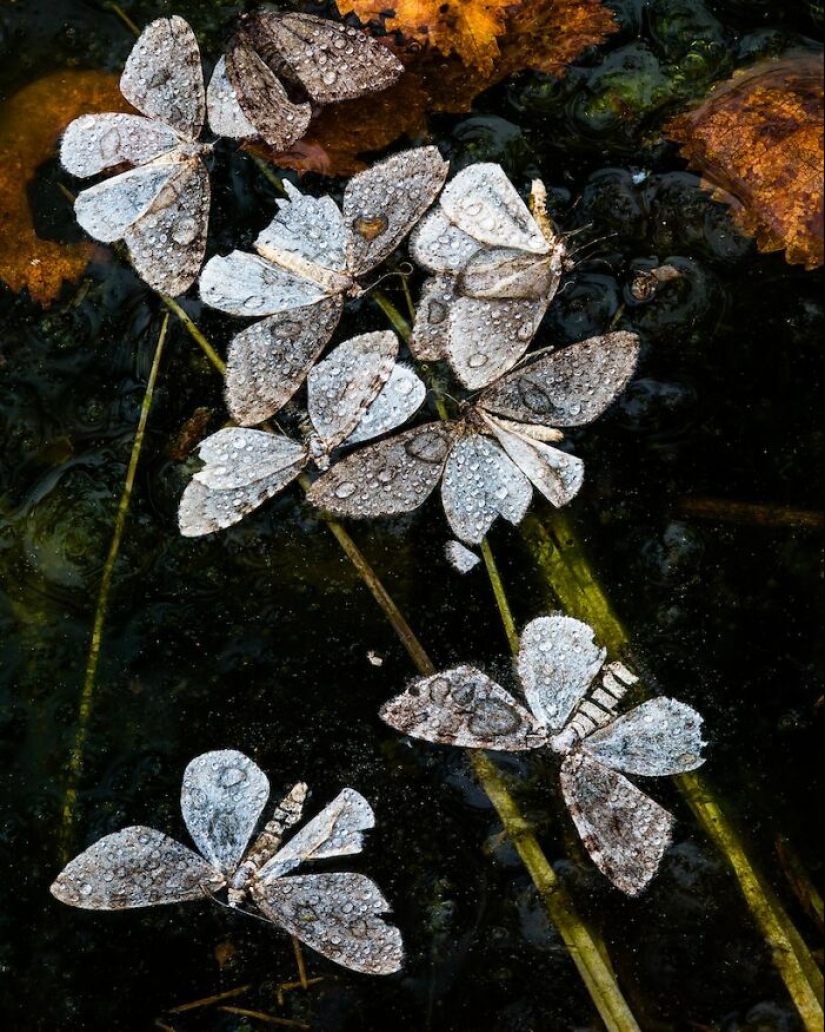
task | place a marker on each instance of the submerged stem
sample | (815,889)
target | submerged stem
(494,576)
(559,555)
(86,702)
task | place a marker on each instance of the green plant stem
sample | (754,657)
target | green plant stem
(87,694)
(494,576)
(195,333)
(559,555)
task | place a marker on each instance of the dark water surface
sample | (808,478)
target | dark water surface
(258,638)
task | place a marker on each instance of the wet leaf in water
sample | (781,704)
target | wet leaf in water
(30,124)
(757,140)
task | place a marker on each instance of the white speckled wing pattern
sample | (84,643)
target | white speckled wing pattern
(93,143)
(624,830)
(485,338)
(461,558)
(399,400)
(263,100)
(224,112)
(222,798)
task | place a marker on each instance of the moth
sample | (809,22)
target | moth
(572,697)
(497,268)
(316,60)
(355,394)
(308,262)
(160,207)
(489,460)
(223,796)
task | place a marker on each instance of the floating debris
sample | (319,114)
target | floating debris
(327,61)
(308,262)
(481,478)
(159,208)
(460,557)
(357,393)
(223,796)
(497,269)
(572,697)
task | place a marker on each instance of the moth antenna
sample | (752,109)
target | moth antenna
(238,910)
(404,271)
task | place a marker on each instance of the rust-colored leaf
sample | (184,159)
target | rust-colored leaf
(542,35)
(758,142)
(467,28)
(30,124)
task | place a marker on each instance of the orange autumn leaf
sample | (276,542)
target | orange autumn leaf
(30,125)
(758,142)
(467,28)
(542,35)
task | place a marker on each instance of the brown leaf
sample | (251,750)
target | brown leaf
(542,35)
(30,125)
(757,140)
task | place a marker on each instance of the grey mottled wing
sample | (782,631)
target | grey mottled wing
(246,284)
(136,867)
(235,457)
(660,737)
(486,337)
(268,361)
(222,798)
(342,387)
(309,232)
(336,831)
(167,243)
(388,478)
(556,473)
(400,398)
(330,60)
(428,342)
(568,387)
(203,510)
(163,78)
(625,832)
(460,557)
(504,273)
(382,204)
(338,915)
(480,484)
(441,247)
(224,112)
(93,143)
(264,100)
(483,203)
(108,209)
(557,662)
(463,707)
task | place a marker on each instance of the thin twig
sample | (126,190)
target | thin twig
(268,1019)
(750,513)
(209,1001)
(195,333)
(86,702)
(299,961)
(494,576)
(124,17)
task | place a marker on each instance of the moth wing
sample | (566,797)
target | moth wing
(107,210)
(568,387)
(237,457)
(163,78)
(93,143)
(556,473)
(661,736)
(347,382)
(383,203)
(203,510)
(269,360)
(557,662)
(308,237)
(484,204)
(428,342)
(136,867)
(167,243)
(463,707)
(504,273)
(330,60)
(246,284)
(263,100)
(625,832)
(338,915)
(441,247)
(224,112)
(336,831)
(388,478)
(480,484)
(460,557)
(486,338)
(399,400)
(222,798)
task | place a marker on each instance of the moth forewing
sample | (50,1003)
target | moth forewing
(485,338)
(204,510)
(460,557)
(557,474)
(248,285)
(463,707)
(625,832)
(428,342)
(223,110)
(93,143)
(398,401)
(441,247)
(263,99)
(338,915)
(107,210)
(135,867)
(236,457)
(504,273)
